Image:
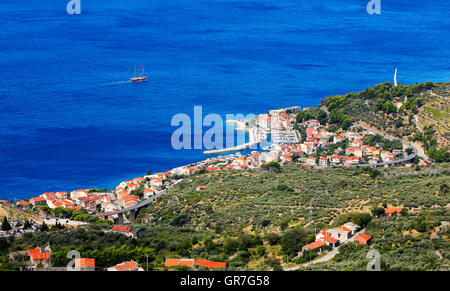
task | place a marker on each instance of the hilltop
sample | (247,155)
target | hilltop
(417,113)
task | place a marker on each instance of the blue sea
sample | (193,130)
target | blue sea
(69,118)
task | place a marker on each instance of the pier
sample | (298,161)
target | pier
(254,138)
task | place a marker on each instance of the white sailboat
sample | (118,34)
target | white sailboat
(395,78)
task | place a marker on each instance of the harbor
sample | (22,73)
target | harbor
(255,137)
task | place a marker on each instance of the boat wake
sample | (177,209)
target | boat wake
(117,83)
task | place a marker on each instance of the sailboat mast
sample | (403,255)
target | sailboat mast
(135,70)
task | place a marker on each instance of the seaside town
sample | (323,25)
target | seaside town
(307,143)
(318,148)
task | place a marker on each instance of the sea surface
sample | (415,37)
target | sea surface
(69,118)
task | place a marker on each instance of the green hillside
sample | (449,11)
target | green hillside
(417,113)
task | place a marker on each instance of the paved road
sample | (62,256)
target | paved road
(402,160)
(415,152)
(137,205)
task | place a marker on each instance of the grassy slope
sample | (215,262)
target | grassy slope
(434,111)
(239,201)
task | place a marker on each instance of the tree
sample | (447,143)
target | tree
(149,172)
(272,238)
(376,211)
(444,188)
(284,225)
(322,117)
(361,219)
(26,224)
(43,227)
(293,240)
(184,248)
(439,155)
(260,251)
(5,225)
(3,244)
(180,220)
(409,151)
(272,167)
(265,222)
(230,246)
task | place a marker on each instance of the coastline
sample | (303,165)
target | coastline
(252,138)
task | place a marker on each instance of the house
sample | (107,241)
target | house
(335,159)
(79,193)
(323,161)
(370,150)
(308,148)
(311,161)
(191,170)
(40,256)
(132,186)
(338,138)
(23,203)
(328,240)
(148,192)
(55,204)
(314,246)
(352,227)
(356,143)
(191,263)
(357,152)
(124,230)
(179,262)
(392,210)
(424,163)
(210,264)
(61,195)
(139,180)
(200,188)
(85,264)
(322,234)
(156,182)
(128,198)
(38,201)
(373,160)
(126,266)
(340,233)
(363,238)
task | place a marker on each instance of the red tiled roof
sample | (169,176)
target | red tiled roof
(84,262)
(344,228)
(126,266)
(121,228)
(191,263)
(363,238)
(392,210)
(36,254)
(316,244)
(329,239)
(38,199)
